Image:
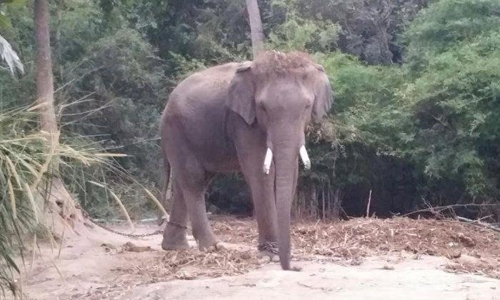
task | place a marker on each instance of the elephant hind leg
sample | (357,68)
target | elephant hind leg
(192,181)
(202,231)
(174,235)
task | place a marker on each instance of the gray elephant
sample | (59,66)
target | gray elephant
(248,117)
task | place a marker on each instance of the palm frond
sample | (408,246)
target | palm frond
(10,57)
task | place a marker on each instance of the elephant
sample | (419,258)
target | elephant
(247,117)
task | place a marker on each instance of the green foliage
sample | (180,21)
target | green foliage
(454,93)
(430,131)
(447,24)
(76,26)
(364,140)
(298,33)
(435,124)
(367,29)
(117,93)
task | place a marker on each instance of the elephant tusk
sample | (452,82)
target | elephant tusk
(267,161)
(305,157)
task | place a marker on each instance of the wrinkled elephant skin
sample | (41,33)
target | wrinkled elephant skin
(248,117)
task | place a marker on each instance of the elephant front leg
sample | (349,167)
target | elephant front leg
(262,193)
(265,213)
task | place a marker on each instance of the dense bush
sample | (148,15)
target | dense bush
(425,132)
(453,89)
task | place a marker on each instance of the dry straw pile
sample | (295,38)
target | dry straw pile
(336,241)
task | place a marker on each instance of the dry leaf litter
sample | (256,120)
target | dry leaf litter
(348,241)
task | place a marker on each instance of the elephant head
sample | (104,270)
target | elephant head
(281,93)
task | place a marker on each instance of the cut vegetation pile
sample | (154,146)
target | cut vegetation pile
(192,264)
(364,237)
(470,248)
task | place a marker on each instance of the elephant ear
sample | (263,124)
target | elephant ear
(323,96)
(241,97)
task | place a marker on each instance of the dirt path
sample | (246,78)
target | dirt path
(409,280)
(91,270)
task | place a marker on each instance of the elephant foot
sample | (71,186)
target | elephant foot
(169,245)
(295,269)
(209,243)
(215,247)
(174,237)
(266,257)
(268,252)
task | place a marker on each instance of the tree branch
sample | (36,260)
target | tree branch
(478,223)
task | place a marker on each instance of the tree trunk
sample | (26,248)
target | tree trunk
(44,81)
(59,200)
(255,27)
(337,205)
(313,194)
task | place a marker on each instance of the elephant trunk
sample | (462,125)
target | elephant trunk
(286,173)
(285,143)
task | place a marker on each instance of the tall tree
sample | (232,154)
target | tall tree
(59,200)
(255,27)
(44,79)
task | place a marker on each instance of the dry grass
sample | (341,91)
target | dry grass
(483,267)
(370,236)
(236,231)
(364,237)
(346,240)
(192,264)
(183,265)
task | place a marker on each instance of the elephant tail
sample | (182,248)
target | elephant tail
(166,184)
(165,191)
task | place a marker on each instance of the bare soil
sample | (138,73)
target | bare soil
(358,259)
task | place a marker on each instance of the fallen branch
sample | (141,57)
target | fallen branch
(436,210)
(478,223)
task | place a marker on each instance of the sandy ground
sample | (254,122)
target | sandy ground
(88,269)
